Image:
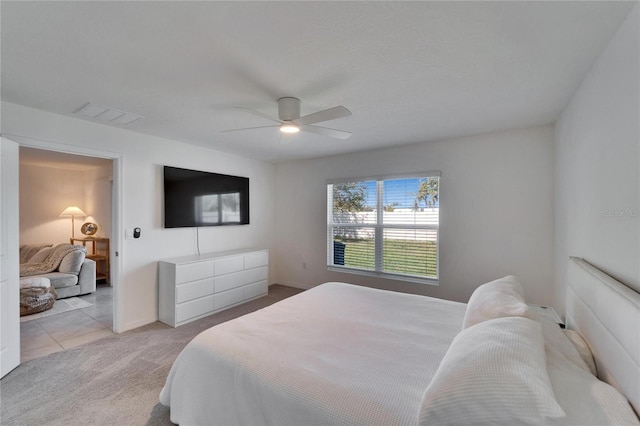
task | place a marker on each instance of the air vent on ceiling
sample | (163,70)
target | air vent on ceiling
(107,114)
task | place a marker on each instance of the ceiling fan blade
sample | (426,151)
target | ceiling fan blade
(325,131)
(246,128)
(324,115)
(259,114)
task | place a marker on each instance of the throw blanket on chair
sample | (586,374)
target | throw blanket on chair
(51,262)
(27,251)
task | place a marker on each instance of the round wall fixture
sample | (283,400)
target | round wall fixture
(89,229)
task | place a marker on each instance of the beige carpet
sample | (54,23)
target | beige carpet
(59,306)
(112,381)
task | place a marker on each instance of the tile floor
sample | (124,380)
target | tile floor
(63,331)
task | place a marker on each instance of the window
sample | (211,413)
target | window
(385,227)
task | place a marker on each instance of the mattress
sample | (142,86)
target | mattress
(341,354)
(334,354)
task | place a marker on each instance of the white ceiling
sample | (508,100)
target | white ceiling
(410,72)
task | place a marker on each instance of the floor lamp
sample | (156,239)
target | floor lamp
(72,212)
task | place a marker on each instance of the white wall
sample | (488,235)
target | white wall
(597,163)
(143,158)
(496,212)
(46,191)
(97,198)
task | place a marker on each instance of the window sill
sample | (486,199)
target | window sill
(385,275)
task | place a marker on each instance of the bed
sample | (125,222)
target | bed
(350,355)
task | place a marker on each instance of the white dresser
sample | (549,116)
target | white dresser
(193,287)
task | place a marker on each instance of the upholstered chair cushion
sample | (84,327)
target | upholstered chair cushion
(41,255)
(72,262)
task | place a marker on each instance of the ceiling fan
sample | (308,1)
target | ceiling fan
(289,120)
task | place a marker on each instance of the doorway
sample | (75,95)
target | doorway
(50,182)
(107,292)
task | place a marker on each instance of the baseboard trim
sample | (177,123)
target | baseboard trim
(136,324)
(295,285)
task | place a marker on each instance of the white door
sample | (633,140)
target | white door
(9,262)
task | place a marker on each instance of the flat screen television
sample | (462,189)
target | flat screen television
(195,198)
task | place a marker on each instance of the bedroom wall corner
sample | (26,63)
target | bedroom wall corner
(597,166)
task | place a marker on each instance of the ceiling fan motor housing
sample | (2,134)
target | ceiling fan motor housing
(288,108)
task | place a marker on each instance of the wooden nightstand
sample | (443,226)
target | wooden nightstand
(99,253)
(547,312)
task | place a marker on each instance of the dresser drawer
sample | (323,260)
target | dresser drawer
(257,259)
(194,290)
(255,289)
(227,298)
(237,279)
(193,308)
(193,271)
(228,265)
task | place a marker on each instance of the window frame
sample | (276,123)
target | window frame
(379,228)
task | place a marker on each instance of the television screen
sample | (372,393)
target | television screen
(195,198)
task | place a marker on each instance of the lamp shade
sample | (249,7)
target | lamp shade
(72,211)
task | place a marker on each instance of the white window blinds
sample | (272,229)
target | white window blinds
(385,227)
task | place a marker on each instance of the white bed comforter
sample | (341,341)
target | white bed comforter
(335,354)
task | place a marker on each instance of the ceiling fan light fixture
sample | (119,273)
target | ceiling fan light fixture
(289,128)
(290,122)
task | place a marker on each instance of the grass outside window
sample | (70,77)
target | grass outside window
(400,256)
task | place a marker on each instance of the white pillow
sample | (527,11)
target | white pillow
(568,343)
(585,399)
(496,299)
(583,349)
(493,373)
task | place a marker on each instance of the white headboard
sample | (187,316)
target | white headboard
(607,314)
